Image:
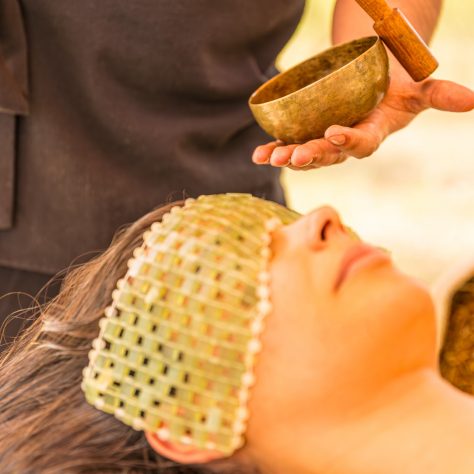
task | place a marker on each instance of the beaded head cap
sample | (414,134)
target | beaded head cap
(176,349)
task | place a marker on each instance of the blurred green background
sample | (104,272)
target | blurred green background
(415,195)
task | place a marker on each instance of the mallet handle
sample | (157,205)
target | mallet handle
(376,9)
(401,38)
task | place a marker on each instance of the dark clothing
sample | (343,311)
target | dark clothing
(130,104)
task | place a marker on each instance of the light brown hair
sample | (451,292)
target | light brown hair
(46,426)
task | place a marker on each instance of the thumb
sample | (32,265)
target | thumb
(447,95)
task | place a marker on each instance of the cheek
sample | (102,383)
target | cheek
(390,324)
(288,384)
(334,351)
(294,347)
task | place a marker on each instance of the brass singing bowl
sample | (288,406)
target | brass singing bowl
(338,86)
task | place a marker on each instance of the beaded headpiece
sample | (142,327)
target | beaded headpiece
(176,349)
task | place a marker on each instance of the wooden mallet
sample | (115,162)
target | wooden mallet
(401,38)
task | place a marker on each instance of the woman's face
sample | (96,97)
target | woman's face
(345,322)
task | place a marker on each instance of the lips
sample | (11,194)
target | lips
(356,257)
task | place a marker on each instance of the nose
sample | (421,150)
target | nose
(325,222)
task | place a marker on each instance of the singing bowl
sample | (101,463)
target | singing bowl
(338,86)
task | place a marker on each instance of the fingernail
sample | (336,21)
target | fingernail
(302,165)
(259,160)
(276,158)
(337,139)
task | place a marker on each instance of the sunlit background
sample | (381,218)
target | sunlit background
(415,195)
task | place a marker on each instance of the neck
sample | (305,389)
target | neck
(418,423)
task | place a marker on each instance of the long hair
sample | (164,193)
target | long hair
(46,426)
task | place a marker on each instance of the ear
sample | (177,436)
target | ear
(179,452)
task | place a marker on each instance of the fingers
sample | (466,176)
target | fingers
(262,153)
(309,155)
(432,93)
(447,95)
(364,138)
(395,112)
(360,141)
(339,142)
(281,155)
(317,152)
(338,158)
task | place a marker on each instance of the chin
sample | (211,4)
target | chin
(385,288)
(407,294)
(410,313)
(400,312)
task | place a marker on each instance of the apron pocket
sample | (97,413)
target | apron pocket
(7,169)
(13,100)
